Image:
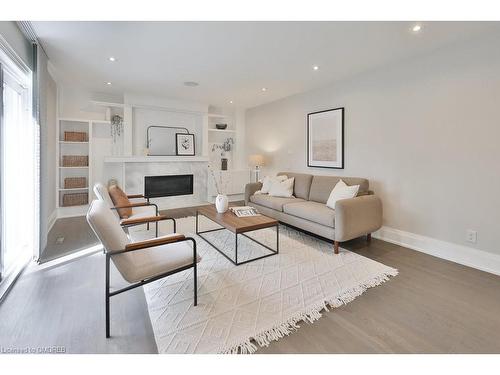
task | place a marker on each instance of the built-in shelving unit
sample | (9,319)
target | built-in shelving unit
(219,136)
(222,130)
(73,166)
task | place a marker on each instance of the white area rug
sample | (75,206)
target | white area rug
(243,307)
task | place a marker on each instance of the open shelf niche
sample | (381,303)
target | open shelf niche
(73,165)
(219,136)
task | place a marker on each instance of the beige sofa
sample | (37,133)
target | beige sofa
(307,209)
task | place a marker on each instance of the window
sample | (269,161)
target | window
(18,168)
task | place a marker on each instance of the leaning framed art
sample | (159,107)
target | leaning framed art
(184,144)
(325,138)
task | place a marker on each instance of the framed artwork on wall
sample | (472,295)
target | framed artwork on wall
(184,144)
(325,138)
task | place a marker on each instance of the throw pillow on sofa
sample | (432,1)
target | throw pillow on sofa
(268,181)
(341,191)
(282,188)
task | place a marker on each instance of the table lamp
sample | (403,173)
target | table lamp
(256,161)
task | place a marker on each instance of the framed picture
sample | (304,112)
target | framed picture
(325,139)
(184,144)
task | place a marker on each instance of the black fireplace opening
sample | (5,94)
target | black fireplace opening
(167,186)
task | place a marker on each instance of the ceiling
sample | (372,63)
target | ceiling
(233,61)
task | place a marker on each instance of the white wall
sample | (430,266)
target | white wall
(75,102)
(16,39)
(425,133)
(151,110)
(48,108)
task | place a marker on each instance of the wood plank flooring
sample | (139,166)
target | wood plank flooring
(432,306)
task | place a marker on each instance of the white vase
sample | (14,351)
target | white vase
(221,203)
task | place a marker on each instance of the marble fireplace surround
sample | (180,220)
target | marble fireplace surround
(134,169)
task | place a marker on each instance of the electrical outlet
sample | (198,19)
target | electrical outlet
(471,236)
(59,240)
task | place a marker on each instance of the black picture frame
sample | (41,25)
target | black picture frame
(178,150)
(317,164)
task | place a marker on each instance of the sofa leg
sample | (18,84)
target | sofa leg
(336,247)
(369,237)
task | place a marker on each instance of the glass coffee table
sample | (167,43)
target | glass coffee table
(239,226)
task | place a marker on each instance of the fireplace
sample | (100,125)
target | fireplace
(167,186)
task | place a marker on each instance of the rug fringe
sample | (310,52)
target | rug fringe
(311,315)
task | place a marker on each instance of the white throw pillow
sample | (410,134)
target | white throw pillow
(282,188)
(341,191)
(268,181)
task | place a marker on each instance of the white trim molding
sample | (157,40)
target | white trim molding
(467,256)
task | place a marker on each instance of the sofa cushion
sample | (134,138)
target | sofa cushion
(322,186)
(268,181)
(312,211)
(282,189)
(276,203)
(302,184)
(341,191)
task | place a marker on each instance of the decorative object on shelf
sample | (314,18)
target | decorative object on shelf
(75,136)
(75,161)
(184,145)
(116,127)
(256,161)
(325,138)
(223,164)
(75,182)
(75,199)
(226,146)
(221,126)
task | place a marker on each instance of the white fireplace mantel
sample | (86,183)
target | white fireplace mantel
(155,159)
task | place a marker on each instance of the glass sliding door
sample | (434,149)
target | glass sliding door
(18,169)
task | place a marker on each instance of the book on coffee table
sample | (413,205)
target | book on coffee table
(244,211)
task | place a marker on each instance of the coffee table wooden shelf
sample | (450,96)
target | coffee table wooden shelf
(238,226)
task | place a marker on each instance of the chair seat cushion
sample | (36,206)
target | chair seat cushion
(276,203)
(143,211)
(312,211)
(143,264)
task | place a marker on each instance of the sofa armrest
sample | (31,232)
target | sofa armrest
(250,190)
(356,217)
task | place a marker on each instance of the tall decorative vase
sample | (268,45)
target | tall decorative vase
(221,203)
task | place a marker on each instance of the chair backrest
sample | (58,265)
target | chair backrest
(106,227)
(102,194)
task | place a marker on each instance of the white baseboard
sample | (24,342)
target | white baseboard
(467,256)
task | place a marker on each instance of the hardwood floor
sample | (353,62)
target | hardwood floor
(76,235)
(432,306)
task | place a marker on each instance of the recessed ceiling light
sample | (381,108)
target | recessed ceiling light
(112,59)
(108,83)
(230,102)
(416,28)
(315,67)
(264,89)
(191,84)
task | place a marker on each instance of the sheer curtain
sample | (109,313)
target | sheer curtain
(18,169)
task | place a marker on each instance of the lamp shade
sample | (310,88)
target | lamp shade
(256,160)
